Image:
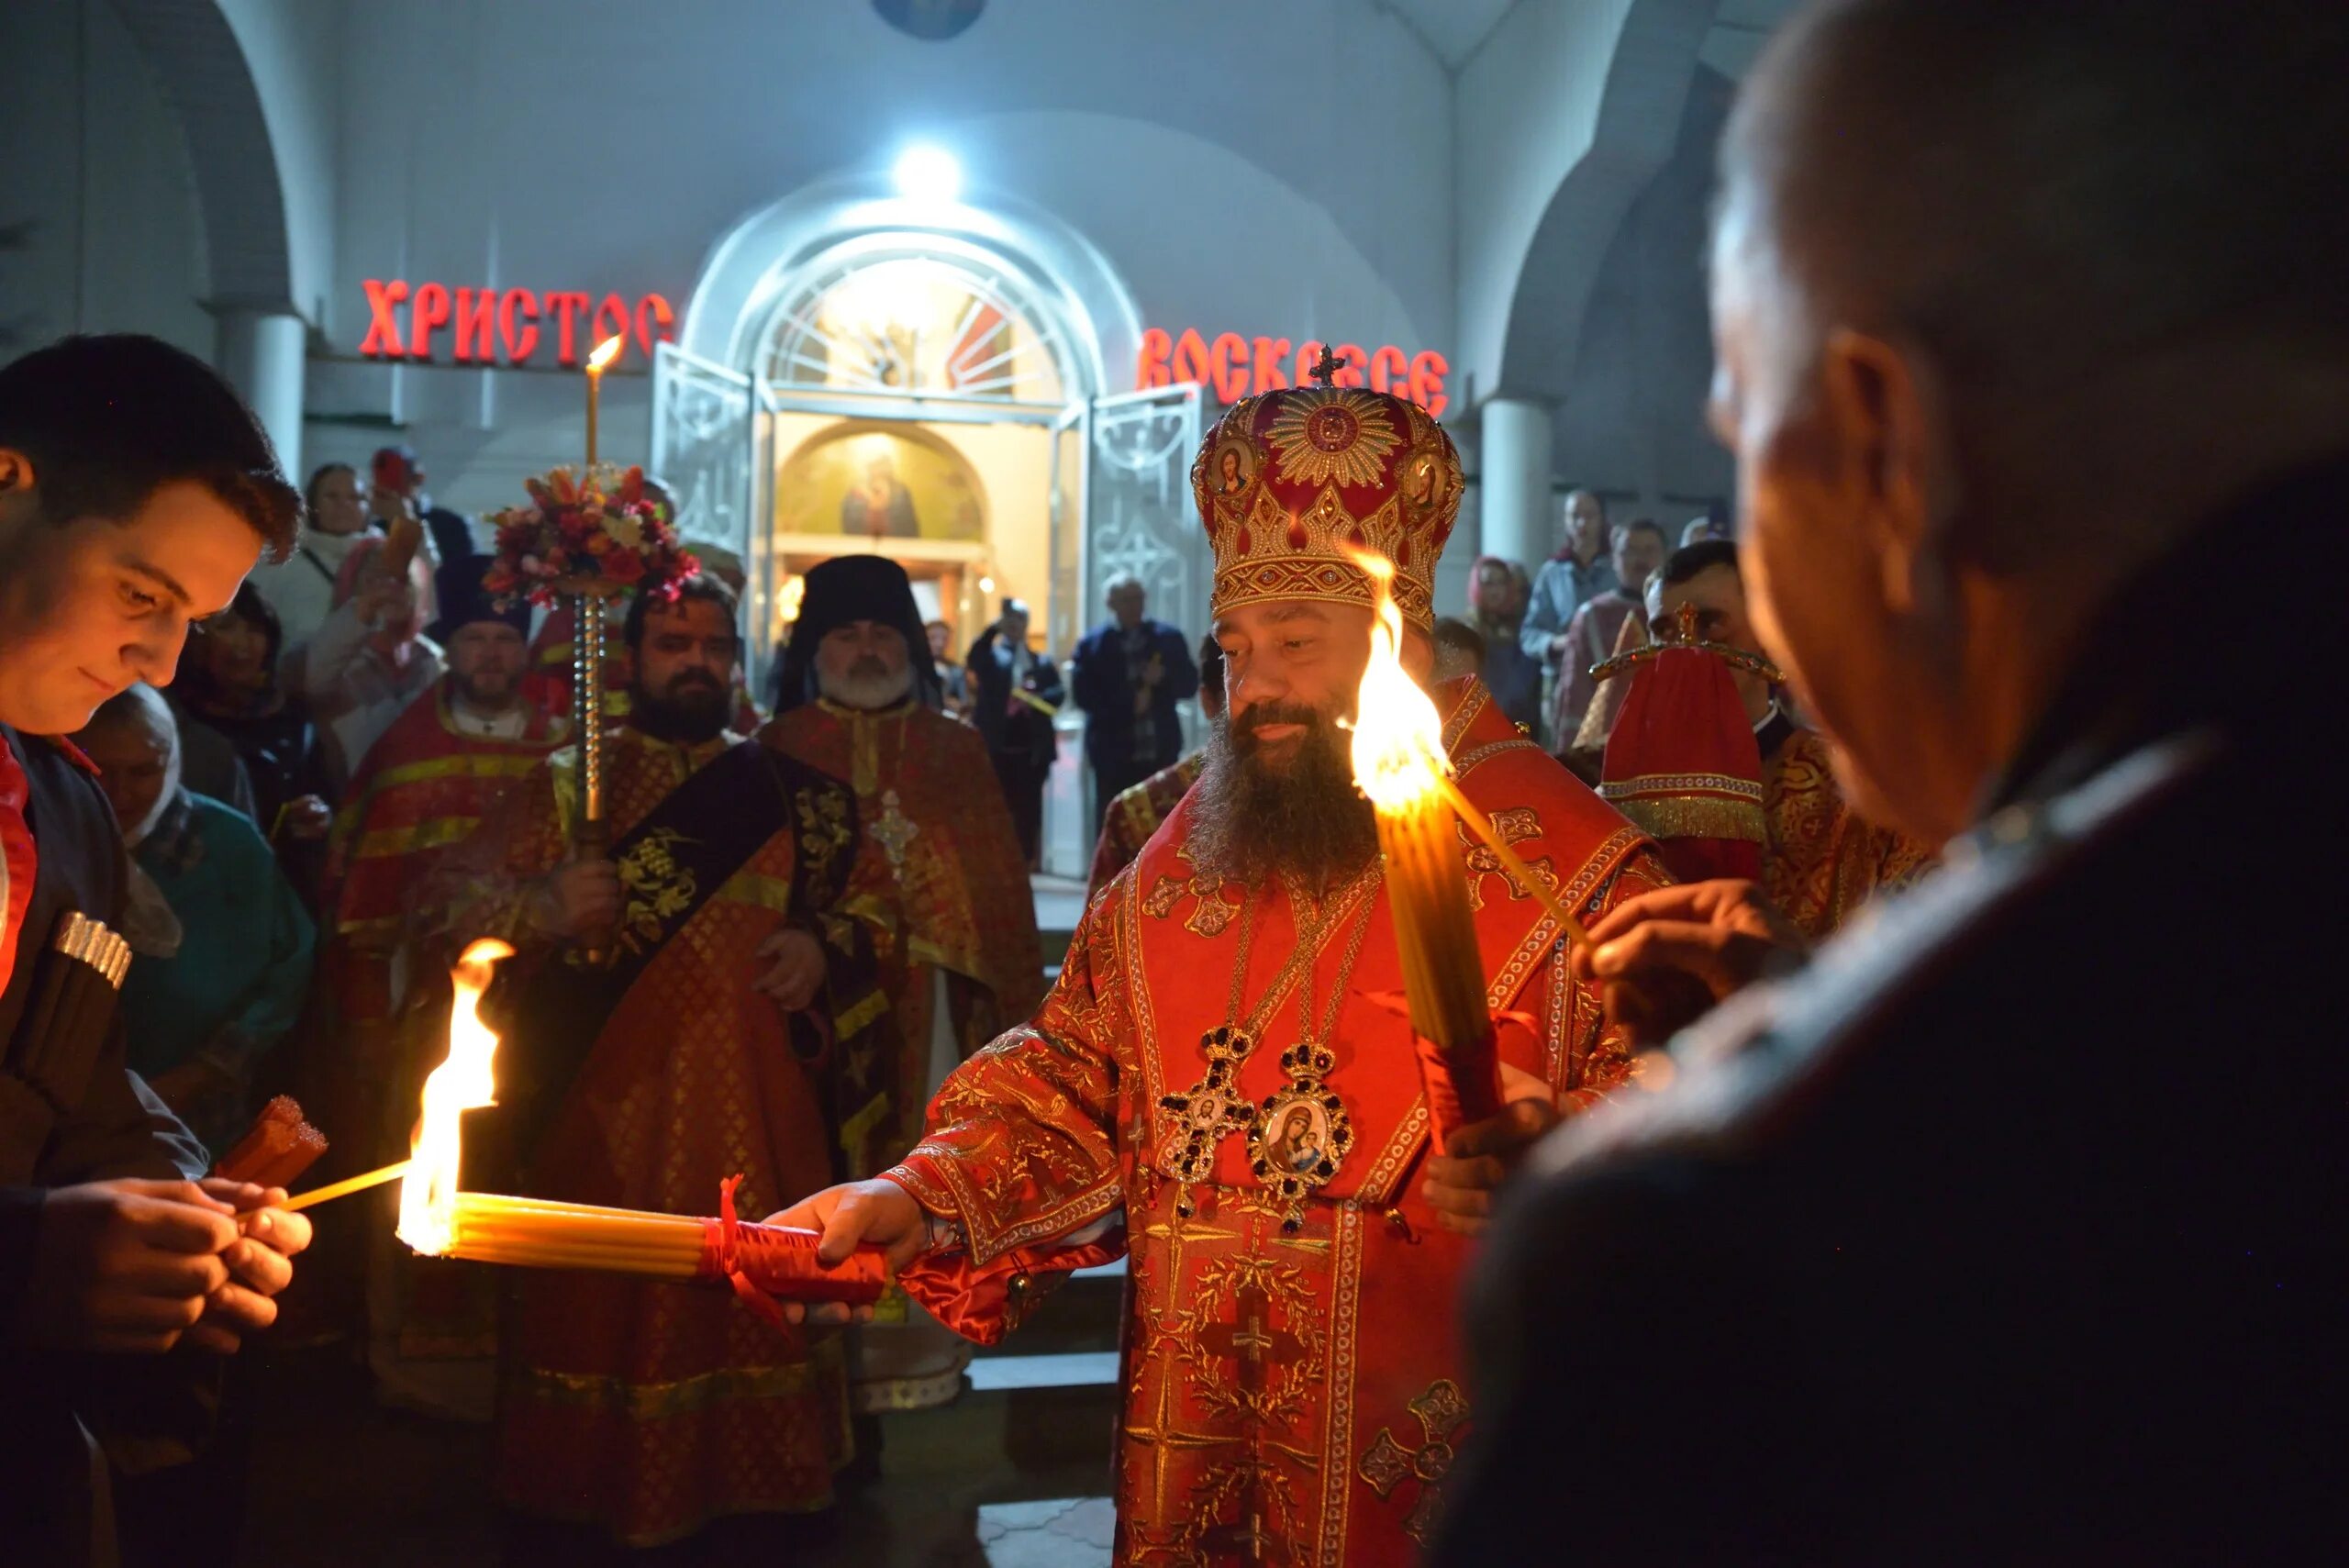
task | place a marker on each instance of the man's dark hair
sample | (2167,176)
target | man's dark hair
(1691,559)
(1210,663)
(108,421)
(1454,633)
(2038,188)
(1645,526)
(702,585)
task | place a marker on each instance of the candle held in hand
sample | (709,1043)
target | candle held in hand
(1399,763)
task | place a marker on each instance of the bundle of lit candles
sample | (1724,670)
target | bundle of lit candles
(436,1217)
(1400,764)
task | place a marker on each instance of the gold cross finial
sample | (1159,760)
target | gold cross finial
(1325,369)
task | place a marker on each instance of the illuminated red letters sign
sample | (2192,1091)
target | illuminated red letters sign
(487,325)
(1236,367)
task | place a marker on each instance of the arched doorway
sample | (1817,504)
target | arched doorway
(950,371)
(933,391)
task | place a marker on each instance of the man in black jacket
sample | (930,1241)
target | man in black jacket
(1126,676)
(136,492)
(2011,1228)
(1015,693)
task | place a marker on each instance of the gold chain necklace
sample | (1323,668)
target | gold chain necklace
(1213,1109)
(1302,1134)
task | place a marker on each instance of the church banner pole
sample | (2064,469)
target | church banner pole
(591,835)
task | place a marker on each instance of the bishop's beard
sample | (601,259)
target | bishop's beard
(1252,820)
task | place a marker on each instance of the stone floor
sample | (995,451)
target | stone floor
(1067,1532)
(338,1482)
(1059,904)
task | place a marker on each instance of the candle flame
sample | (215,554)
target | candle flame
(605,352)
(1399,736)
(461,1083)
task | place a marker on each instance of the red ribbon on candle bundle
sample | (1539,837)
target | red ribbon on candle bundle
(1462,1087)
(765,1261)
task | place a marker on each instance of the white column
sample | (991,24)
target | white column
(1519,518)
(261,352)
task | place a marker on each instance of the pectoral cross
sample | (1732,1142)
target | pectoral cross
(893,830)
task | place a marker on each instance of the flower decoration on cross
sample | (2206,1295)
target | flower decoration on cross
(599,534)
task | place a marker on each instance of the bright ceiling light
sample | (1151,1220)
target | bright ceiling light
(927,173)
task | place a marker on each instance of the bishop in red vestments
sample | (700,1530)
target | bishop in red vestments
(1220,1084)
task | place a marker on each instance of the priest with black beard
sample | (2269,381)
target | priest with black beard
(697,1002)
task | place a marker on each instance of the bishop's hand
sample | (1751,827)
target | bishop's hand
(877,1213)
(1664,958)
(1478,1158)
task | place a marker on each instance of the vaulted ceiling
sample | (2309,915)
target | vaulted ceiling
(1455,29)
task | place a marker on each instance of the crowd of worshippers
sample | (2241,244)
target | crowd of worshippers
(324,741)
(346,725)
(365,761)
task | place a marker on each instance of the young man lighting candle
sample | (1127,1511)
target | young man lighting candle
(737,1024)
(1223,1084)
(136,492)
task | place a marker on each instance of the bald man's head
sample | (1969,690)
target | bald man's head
(2036,188)
(2008,295)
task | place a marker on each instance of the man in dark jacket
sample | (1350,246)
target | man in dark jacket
(2010,1230)
(1016,692)
(136,492)
(1126,676)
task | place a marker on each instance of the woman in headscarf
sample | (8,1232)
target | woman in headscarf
(223,944)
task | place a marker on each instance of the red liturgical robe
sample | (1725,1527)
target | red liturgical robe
(1295,1389)
(1135,815)
(646,1407)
